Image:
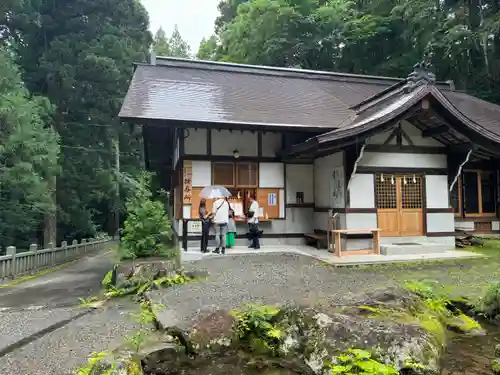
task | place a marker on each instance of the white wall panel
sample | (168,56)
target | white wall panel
(323,168)
(225,142)
(195,142)
(299,178)
(436,192)
(403,160)
(271,144)
(362,191)
(440,222)
(271,175)
(202,173)
(361,221)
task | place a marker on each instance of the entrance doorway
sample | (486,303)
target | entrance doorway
(399,202)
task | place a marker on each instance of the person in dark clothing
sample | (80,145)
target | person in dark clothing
(206,222)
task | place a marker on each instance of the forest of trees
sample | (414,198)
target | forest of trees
(380,37)
(65,68)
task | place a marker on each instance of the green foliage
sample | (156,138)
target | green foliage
(461,39)
(208,49)
(174,46)
(147,229)
(489,303)
(28,157)
(94,365)
(107,282)
(255,326)
(138,287)
(161,45)
(83,65)
(357,361)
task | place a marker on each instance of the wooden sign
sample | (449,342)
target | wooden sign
(187,182)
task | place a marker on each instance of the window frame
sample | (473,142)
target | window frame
(234,173)
(478,173)
(235,184)
(256,165)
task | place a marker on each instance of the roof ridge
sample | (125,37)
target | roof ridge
(263,69)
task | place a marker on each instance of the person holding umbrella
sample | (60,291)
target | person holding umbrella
(220,214)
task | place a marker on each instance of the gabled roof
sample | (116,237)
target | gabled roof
(476,120)
(199,91)
(194,91)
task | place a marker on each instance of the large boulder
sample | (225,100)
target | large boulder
(394,326)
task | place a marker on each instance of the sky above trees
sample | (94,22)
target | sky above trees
(195,18)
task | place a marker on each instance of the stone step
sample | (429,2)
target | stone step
(414,248)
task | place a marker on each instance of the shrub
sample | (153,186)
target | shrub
(489,304)
(147,229)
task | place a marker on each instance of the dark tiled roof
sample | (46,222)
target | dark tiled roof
(199,91)
(277,97)
(479,111)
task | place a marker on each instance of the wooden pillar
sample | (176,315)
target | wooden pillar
(50,219)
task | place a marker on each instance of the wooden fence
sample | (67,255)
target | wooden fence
(15,264)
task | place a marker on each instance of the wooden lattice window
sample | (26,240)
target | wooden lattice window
(411,191)
(223,174)
(246,174)
(385,188)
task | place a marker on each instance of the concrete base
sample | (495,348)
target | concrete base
(406,248)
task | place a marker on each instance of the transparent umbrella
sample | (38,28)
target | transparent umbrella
(210,192)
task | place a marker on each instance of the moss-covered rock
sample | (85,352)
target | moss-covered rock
(464,324)
(381,332)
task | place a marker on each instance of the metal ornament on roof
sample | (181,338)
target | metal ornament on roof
(420,75)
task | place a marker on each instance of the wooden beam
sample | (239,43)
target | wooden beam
(430,132)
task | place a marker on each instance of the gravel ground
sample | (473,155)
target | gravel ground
(17,325)
(63,350)
(281,278)
(265,278)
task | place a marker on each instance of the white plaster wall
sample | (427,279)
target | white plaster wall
(299,178)
(298,220)
(436,191)
(361,221)
(321,221)
(186,211)
(195,142)
(322,171)
(464,225)
(271,144)
(380,138)
(440,222)
(415,135)
(403,160)
(362,191)
(225,142)
(271,175)
(495,225)
(202,173)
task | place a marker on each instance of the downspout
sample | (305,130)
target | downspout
(360,156)
(460,170)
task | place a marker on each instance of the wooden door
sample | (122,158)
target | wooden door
(399,203)
(410,205)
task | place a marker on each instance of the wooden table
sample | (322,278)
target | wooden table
(375,232)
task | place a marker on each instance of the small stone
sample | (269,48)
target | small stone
(497,350)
